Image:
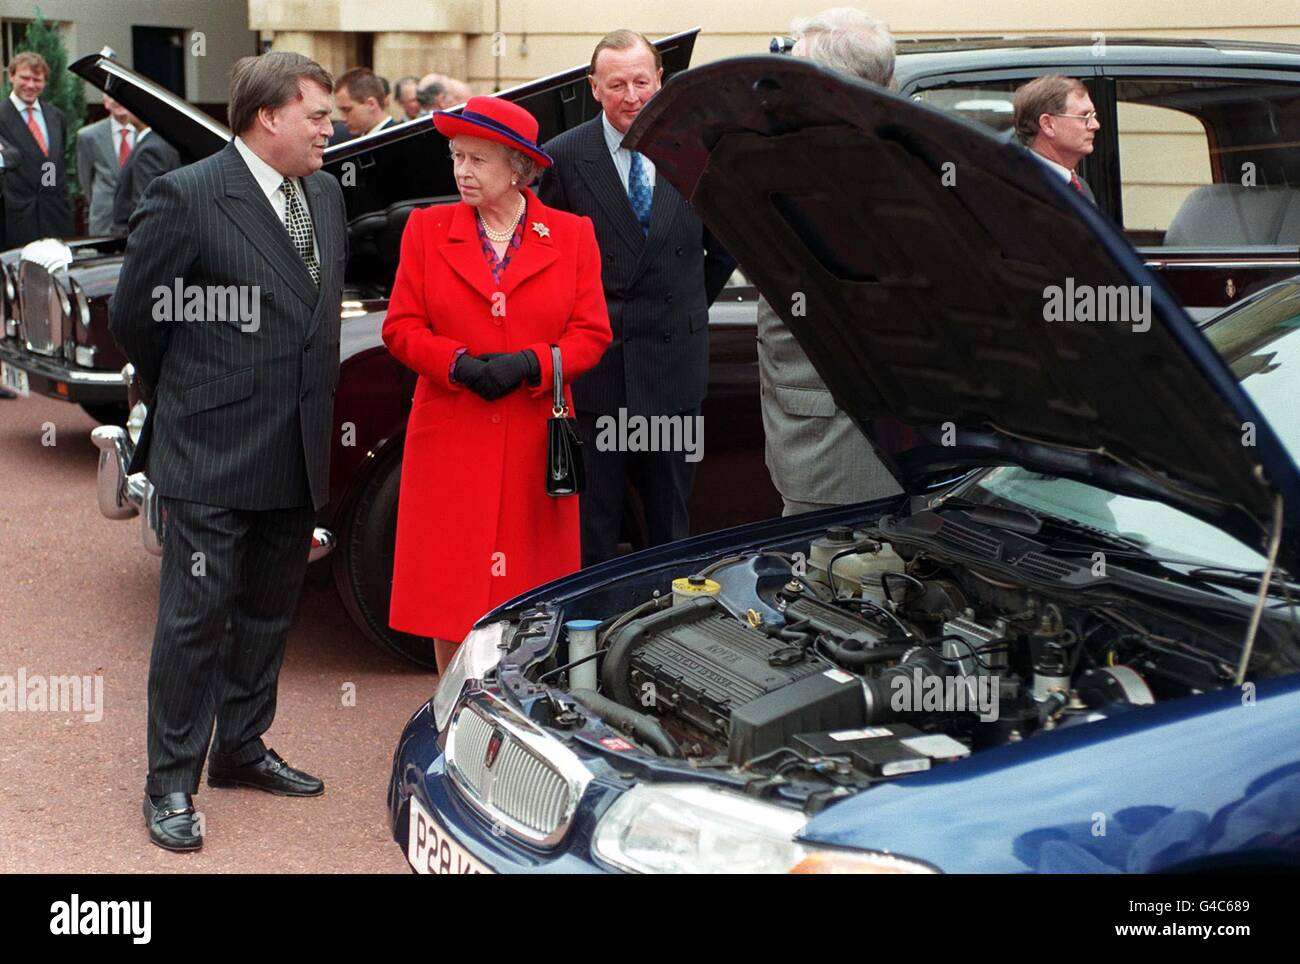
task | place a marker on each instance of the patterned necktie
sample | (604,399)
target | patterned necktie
(35,128)
(299,227)
(638,191)
(1075,182)
(124,150)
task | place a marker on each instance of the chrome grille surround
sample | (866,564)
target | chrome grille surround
(43,324)
(530,784)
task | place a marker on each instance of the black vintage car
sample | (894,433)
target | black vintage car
(1240,100)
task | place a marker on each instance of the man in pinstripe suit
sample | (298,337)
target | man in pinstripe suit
(228,306)
(661,270)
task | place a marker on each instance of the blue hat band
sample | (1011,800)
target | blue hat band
(485,121)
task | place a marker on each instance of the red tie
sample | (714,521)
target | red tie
(124,150)
(35,128)
(1075,182)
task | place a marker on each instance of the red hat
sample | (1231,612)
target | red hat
(494,119)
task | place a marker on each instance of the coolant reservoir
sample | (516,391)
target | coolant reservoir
(873,564)
(857,571)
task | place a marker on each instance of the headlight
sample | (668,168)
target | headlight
(476,657)
(691,828)
(80,303)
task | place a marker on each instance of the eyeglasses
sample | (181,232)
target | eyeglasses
(1087,118)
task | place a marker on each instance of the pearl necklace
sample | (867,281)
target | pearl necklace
(508,233)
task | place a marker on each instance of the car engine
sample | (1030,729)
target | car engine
(863,660)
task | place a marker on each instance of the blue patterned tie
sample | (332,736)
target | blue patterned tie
(638,191)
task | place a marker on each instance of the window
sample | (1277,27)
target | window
(1209,162)
(988,104)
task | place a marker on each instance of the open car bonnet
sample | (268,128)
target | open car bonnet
(917,259)
(193,133)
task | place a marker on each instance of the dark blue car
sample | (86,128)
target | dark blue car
(1070,645)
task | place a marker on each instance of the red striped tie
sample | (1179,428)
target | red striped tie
(124,150)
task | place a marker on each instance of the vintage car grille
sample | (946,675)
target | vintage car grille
(40,316)
(514,774)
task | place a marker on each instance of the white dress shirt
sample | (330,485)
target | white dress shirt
(1062,171)
(270,181)
(622,157)
(117,127)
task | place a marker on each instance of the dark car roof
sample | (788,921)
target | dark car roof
(917,58)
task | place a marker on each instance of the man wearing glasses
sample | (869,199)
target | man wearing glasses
(1055,119)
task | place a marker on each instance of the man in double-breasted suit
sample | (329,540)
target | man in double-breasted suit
(228,306)
(151,158)
(103,149)
(37,204)
(661,270)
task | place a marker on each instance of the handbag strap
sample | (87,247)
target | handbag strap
(559,408)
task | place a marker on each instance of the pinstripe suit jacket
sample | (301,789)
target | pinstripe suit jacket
(241,409)
(658,285)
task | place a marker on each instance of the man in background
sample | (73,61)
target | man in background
(817,455)
(37,202)
(431,93)
(1055,118)
(151,158)
(661,271)
(362,102)
(404,93)
(103,149)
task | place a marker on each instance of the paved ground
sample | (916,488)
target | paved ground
(77,597)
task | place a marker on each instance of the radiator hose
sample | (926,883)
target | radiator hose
(641,725)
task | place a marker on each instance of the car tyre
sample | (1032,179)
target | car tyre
(363,566)
(108,413)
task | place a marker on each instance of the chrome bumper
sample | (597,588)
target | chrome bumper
(122,495)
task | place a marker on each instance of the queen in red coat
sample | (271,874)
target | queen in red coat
(484,287)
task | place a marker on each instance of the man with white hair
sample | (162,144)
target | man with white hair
(816,454)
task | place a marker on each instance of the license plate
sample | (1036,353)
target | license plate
(431,850)
(14,379)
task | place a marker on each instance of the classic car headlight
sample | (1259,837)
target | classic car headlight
(698,829)
(477,656)
(80,303)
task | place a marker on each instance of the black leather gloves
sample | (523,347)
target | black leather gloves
(496,375)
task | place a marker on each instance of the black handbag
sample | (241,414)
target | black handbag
(564,475)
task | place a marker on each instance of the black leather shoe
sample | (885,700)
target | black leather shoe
(171,823)
(271,774)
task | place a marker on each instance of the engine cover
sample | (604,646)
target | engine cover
(744,688)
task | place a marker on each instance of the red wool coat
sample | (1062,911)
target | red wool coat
(474,523)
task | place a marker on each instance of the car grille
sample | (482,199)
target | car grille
(40,320)
(516,776)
